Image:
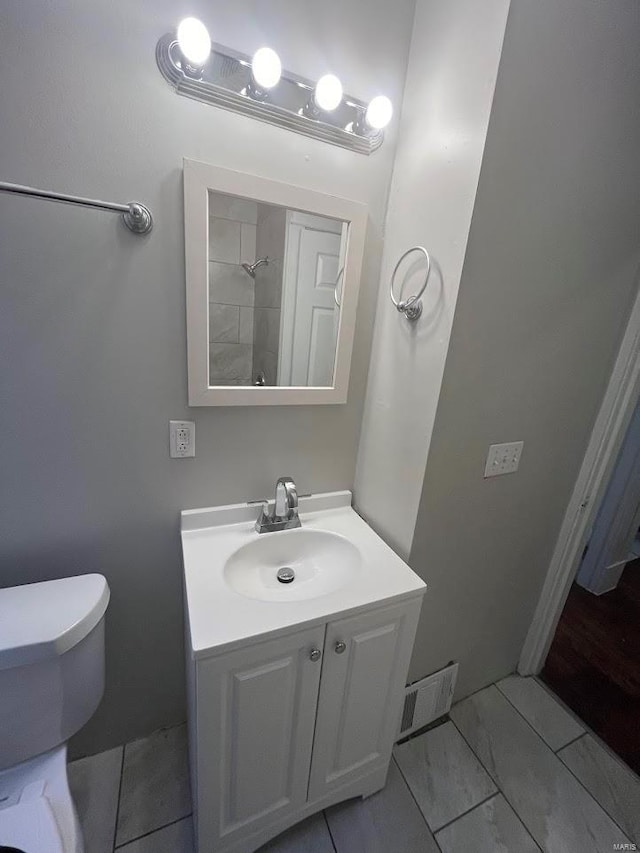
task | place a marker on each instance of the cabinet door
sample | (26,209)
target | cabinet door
(361,693)
(256,710)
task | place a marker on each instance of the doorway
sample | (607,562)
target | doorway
(593,664)
(604,448)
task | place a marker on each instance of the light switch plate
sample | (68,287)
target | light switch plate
(182,439)
(503,458)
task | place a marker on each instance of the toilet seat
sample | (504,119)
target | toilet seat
(28,824)
(36,810)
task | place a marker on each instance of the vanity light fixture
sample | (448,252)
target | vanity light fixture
(325,98)
(195,46)
(328,93)
(374,117)
(379,112)
(257,86)
(266,70)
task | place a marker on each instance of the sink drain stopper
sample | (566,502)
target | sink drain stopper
(286,575)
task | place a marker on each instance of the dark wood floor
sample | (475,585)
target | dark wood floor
(594,662)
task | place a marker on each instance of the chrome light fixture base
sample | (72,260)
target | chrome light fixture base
(225,81)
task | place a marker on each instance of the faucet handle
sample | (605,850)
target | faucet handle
(286,498)
(264,517)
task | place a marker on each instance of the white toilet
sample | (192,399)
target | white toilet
(51,682)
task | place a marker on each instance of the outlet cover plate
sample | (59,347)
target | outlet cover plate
(503,458)
(182,439)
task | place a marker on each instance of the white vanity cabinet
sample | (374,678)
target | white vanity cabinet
(294,689)
(281,728)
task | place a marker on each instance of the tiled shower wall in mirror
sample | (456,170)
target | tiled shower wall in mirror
(271,242)
(232,241)
(244,313)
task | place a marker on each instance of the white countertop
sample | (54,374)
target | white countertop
(220,618)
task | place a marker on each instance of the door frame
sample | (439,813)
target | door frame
(608,433)
(617,521)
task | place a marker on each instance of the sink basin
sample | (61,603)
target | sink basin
(232,592)
(320,562)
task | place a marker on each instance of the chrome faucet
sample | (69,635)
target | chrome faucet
(285,510)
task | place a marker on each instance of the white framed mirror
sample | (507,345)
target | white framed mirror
(273,273)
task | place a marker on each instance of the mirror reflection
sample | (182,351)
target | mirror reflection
(275,281)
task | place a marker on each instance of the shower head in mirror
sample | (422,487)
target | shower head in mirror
(250,269)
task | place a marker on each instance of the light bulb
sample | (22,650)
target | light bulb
(194,41)
(266,67)
(328,93)
(379,112)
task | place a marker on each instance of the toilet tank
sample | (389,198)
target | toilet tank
(51,662)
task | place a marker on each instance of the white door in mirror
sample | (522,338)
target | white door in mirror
(315,331)
(182,439)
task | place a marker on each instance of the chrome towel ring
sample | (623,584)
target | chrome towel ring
(411,307)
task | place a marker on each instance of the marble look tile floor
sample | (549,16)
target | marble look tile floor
(511,772)
(444,775)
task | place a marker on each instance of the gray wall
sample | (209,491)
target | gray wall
(92,319)
(451,76)
(547,286)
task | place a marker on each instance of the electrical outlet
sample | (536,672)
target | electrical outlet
(182,439)
(503,458)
